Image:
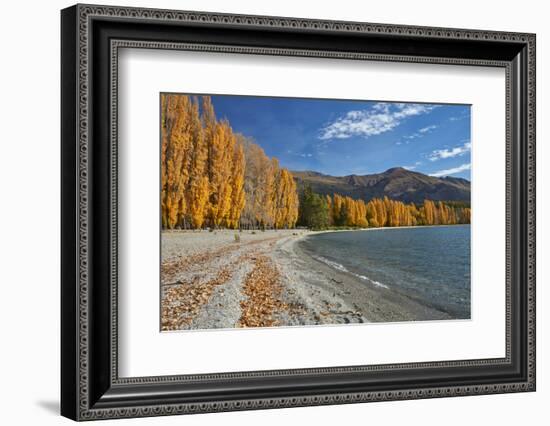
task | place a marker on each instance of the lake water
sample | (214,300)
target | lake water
(428,264)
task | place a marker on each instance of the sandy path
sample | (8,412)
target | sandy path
(220,287)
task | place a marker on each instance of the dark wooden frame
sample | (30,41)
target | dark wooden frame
(91,37)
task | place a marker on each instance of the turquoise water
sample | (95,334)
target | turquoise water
(428,264)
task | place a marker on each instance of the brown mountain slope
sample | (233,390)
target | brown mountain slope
(396,183)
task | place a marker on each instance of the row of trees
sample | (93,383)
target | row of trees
(212,176)
(322,211)
(386,212)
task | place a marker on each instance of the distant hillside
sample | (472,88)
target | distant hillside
(396,183)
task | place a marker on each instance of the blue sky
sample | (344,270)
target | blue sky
(340,138)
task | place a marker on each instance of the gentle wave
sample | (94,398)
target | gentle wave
(377,283)
(342,268)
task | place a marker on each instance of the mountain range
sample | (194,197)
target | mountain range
(397,183)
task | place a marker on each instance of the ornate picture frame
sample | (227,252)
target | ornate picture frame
(91,37)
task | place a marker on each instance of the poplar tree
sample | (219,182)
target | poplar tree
(222,144)
(287,208)
(337,217)
(198,187)
(237,187)
(361,207)
(429,212)
(176,141)
(330,210)
(292,200)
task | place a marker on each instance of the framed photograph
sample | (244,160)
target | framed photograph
(263,212)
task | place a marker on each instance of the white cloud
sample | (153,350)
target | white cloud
(452,171)
(421,132)
(458,117)
(427,129)
(440,154)
(380,118)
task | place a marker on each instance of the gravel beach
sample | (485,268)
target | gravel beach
(228,279)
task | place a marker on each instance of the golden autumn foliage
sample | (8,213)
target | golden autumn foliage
(324,211)
(237,188)
(222,145)
(270,191)
(214,177)
(286,200)
(382,212)
(198,187)
(176,140)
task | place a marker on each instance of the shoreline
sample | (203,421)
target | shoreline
(381,228)
(374,302)
(209,280)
